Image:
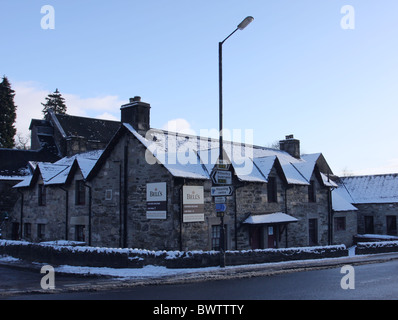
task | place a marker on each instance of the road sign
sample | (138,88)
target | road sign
(221,177)
(223,165)
(221,207)
(221,191)
(220,199)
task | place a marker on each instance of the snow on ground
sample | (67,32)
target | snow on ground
(158,271)
(131,273)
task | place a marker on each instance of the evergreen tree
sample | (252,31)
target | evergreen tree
(8,114)
(56,102)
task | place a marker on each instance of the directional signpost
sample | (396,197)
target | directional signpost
(220,199)
(222,191)
(221,177)
(223,165)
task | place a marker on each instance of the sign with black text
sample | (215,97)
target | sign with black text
(156,200)
(193,204)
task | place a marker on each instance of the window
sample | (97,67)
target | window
(339,224)
(80,192)
(272,190)
(80,233)
(311,192)
(42,194)
(216,237)
(391,225)
(313,232)
(369,225)
(15,231)
(41,231)
(27,230)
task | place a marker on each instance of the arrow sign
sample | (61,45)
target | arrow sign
(220,199)
(221,191)
(221,177)
(221,207)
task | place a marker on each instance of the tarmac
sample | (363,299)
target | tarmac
(66,282)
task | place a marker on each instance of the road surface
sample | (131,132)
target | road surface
(370,281)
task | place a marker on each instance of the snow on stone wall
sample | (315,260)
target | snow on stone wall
(73,254)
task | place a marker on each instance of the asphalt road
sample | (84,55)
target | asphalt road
(371,281)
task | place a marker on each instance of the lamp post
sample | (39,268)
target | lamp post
(241,26)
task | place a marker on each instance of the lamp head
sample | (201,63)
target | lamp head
(245,22)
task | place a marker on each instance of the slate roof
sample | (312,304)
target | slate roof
(15,164)
(60,171)
(89,128)
(194,157)
(381,188)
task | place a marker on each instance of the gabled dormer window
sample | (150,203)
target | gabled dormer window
(312,192)
(272,190)
(41,195)
(80,193)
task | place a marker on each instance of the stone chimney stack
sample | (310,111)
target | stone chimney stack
(136,113)
(291,146)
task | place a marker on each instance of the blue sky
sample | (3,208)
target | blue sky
(294,70)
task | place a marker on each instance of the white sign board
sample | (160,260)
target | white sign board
(156,200)
(221,177)
(221,191)
(193,204)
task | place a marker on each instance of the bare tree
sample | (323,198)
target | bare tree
(22,141)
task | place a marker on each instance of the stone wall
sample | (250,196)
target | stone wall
(376,247)
(379,212)
(345,236)
(133,258)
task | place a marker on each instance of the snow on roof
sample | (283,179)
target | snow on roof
(50,170)
(24,183)
(277,217)
(250,163)
(12,178)
(58,172)
(306,167)
(85,161)
(372,188)
(265,165)
(341,200)
(327,181)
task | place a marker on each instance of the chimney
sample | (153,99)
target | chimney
(291,146)
(136,113)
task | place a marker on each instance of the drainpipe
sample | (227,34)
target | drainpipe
(66,211)
(236,214)
(89,212)
(125,193)
(330,216)
(181,212)
(21,226)
(286,211)
(120,204)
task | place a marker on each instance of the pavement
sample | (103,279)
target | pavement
(69,282)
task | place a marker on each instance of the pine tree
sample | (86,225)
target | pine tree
(8,114)
(56,102)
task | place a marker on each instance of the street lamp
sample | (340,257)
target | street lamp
(241,26)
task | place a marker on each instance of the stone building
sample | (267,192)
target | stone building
(56,136)
(153,189)
(376,197)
